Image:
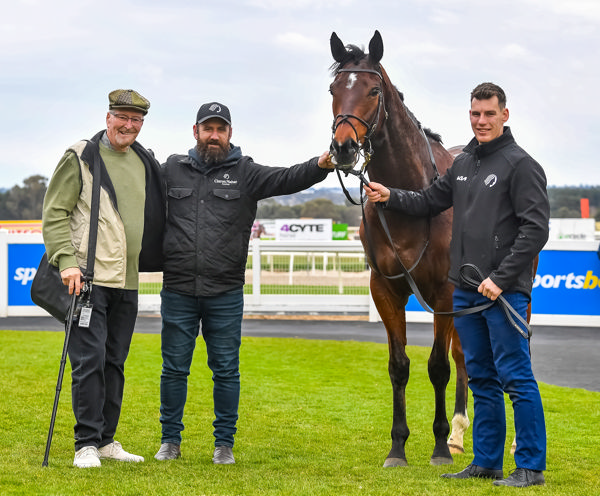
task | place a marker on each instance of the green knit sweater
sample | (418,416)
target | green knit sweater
(127,175)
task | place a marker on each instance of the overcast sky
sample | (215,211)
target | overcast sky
(268,60)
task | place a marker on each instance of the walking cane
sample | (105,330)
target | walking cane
(61,371)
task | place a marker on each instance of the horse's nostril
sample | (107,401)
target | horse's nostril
(348,147)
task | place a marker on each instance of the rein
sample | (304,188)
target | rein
(472,282)
(386,229)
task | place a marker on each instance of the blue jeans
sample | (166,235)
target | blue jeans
(498,361)
(221,317)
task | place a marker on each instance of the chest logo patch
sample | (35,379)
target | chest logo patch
(491,180)
(226,181)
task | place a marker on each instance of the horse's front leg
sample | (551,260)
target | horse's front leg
(399,370)
(439,375)
(391,310)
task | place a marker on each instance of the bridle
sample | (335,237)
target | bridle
(366,147)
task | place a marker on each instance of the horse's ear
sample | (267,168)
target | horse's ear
(338,50)
(376,48)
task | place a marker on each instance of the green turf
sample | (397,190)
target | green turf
(314,419)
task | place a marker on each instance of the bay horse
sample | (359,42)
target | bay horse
(370,118)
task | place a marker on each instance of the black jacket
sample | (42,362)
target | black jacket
(501,211)
(210,211)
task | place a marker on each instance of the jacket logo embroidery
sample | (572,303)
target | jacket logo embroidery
(226,180)
(461,178)
(491,180)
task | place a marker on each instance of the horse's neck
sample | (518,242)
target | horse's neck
(400,153)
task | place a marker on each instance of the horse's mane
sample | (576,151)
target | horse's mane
(354,55)
(433,135)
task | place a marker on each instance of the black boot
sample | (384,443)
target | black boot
(475,471)
(523,477)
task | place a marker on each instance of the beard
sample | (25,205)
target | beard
(212,156)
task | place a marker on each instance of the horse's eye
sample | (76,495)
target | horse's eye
(375,92)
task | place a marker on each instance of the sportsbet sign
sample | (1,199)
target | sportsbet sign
(567,282)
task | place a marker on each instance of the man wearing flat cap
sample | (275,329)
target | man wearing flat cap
(212,195)
(130,227)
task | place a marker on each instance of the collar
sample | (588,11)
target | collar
(484,149)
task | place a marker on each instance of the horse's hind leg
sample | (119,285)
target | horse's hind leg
(439,375)
(460,419)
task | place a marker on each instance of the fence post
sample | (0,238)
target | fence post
(340,278)
(256,270)
(291,270)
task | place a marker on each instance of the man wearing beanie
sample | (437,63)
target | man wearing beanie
(212,195)
(130,226)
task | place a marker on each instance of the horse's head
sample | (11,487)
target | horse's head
(357,92)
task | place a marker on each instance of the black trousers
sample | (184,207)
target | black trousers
(97,356)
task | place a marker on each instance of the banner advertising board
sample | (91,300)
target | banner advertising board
(572,229)
(23,261)
(566,283)
(303,229)
(21,226)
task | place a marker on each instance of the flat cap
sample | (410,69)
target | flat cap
(128,99)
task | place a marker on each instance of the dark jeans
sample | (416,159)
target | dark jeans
(221,317)
(498,361)
(98,355)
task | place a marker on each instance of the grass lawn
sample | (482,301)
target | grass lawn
(315,418)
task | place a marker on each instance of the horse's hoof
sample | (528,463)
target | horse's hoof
(455,449)
(440,460)
(395,462)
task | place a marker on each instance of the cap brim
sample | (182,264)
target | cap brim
(129,107)
(213,117)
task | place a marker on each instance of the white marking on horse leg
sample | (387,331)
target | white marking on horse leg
(460,424)
(351,80)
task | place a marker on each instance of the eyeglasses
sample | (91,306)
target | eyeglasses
(136,121)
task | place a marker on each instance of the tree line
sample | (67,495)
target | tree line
(24,202)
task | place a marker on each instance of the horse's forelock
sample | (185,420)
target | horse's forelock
(354,55)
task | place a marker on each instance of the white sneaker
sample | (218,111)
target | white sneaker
(86,457)
(115,451)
